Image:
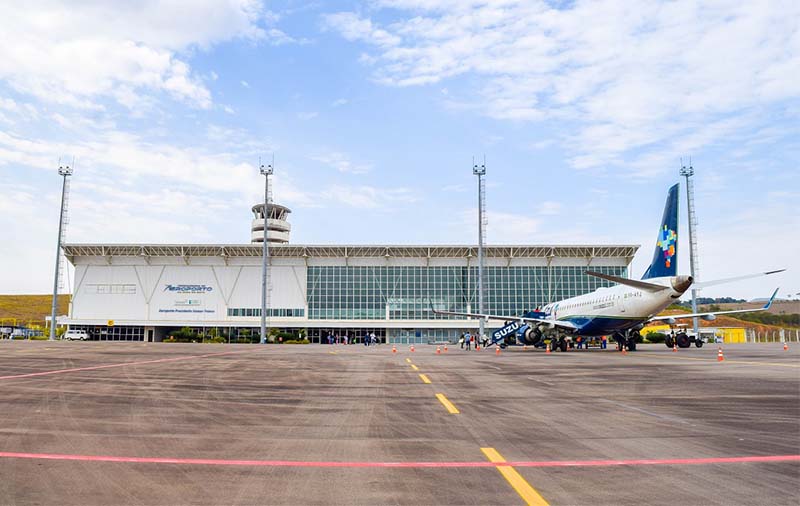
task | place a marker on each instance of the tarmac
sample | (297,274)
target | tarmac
(170,424)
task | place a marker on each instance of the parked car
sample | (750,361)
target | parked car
(76,335)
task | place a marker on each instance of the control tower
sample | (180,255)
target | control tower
(277,227)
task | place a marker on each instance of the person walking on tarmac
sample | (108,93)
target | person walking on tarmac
(461,341)
(468,339)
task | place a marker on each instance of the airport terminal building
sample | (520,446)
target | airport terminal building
(146,291)
(150,290)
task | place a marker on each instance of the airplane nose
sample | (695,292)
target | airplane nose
(682,283)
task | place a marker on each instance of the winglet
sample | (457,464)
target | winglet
(769,302)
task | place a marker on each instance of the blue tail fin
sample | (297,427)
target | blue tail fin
(665,257)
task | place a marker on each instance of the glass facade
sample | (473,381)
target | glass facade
(406,293)
(118,333)
(273,312)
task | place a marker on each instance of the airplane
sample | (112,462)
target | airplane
(622,310)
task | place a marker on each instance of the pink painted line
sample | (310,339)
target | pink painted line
(659,462)
(109,366)
(295,463)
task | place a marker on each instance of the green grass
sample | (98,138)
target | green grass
(29,309)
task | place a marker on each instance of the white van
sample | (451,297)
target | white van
(76,335)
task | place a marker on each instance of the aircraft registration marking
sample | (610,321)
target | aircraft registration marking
(520,485)
(447,404)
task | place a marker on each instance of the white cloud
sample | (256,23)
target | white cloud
(501,227)
(134,157)
(244,84)
(278,38)
(71,53)
(677,75)
(454,188)
(308,115)
(368,197)
(549,208)
(339,102)
(342,163)
(353,27)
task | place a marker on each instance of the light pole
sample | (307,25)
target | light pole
(63,171)
(688,172)
(480,171)
(266,171)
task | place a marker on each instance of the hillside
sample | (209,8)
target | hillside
(29,309)
(778,307)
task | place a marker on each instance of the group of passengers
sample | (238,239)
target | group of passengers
(368,339)
(472,340)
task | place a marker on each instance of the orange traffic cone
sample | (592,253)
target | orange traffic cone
(438,350)
(785,346)
(674,348)
(394,349)
(548,349)
(720,357)
(624,350)
(497,351)
(477,347)
(445,348)
(524,346)
(412,348)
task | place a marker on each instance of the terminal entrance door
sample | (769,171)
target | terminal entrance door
(320,336)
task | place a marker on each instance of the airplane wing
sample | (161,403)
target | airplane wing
(642,285)
(704,284)
(558,323)
(700,315)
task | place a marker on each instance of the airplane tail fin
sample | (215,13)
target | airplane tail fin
(665,256)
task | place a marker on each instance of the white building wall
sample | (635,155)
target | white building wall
(180,292)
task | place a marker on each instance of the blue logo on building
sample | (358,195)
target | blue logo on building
(187,288)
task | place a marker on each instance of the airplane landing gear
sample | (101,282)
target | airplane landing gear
(558,343)
(629,338)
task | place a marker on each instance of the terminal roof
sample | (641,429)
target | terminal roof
(626,251)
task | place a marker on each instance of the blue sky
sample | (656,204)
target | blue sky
(374,110)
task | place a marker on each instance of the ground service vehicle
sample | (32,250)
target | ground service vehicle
(75,335)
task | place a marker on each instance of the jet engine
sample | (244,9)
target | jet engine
(531,337)
(709,317)
(546,326)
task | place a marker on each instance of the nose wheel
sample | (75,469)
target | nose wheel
(629,339)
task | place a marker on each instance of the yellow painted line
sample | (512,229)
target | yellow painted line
(447,404)
(332,352)
(745,362)
(408,360)
(523,488)
(424,378)
(414,367)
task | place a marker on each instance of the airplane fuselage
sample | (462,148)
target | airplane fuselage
(617,308)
